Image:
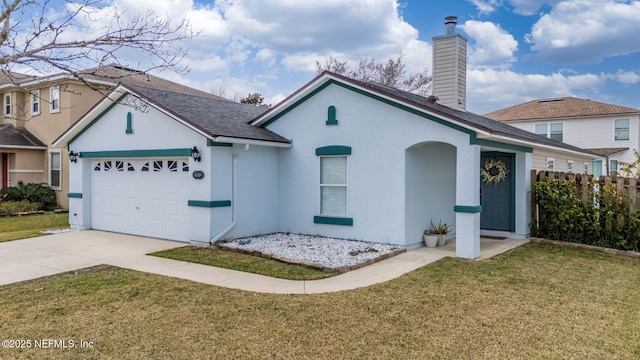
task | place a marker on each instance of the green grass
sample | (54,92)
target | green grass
(21,227)
(242,262)
(536,302)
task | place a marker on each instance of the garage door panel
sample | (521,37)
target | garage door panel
(126,198)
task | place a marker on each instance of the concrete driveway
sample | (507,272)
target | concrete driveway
(32,258)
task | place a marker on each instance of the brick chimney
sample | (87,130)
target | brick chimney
(450,67)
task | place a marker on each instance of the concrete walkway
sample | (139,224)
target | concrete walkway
(27,259)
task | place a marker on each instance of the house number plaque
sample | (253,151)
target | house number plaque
(198,175)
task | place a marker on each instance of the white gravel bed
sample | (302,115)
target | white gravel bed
(57,231)
(317,250)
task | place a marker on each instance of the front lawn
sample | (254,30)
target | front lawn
(536,302)
(242,262)
(21,227)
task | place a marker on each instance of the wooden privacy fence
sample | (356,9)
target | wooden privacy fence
(623,185)
(581,208)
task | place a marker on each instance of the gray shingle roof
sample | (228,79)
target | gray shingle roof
(11,135)
(214,117)
(474,120)
(122,75)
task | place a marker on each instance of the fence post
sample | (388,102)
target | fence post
(584,189)
(632,195)
(534,204)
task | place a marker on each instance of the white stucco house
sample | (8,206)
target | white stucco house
(339,158)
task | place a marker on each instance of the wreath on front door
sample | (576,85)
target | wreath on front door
(494,171)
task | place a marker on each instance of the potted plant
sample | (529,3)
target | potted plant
(440,230)
(430,239)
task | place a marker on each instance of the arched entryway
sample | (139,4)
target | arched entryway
(430,188)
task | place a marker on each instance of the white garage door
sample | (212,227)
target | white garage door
(142,197)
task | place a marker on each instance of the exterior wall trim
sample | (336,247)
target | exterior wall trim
(333,150)
(333,220)
(467,209)
(209,204)
(184,152)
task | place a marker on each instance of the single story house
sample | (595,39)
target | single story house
(339,158)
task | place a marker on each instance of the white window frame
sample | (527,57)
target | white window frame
(615,128)
(547,131)
(345,186)
(586,168)
(569,166)
(550,164)
(6,102)
(54,102)
(35,100)
(50,162)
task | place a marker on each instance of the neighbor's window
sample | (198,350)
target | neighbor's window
(7,104)
(621,129)
(54,99)
(613,166)
(553,131)
(541,129)
(569,166)
(35,102)
(55,172)
(550,164)
(333,185)
(586,168)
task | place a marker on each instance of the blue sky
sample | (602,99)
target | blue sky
(518,49)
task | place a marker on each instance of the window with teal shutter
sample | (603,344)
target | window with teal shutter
(333,186)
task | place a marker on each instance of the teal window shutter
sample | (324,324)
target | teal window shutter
(129,124)
(331,116)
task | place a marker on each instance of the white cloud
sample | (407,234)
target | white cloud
(627,77)
(486,6)
(530,7)
(293,27)
(489,90)
(417,56)
(574,28)
(493,47)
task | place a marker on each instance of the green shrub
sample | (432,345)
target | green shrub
(604,220)
(33,193)
(10,208)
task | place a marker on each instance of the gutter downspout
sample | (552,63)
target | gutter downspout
(234,171)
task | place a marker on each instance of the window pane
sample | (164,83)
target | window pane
(541,129)
(333,200)
(556,132)
(55,178)
(622,129)
(613,165)
(55,160)
(333,170)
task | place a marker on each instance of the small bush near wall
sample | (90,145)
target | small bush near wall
(10,208)
(600,212)
(34,193)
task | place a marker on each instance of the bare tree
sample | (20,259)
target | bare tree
(392,73)
(36,34)
(255,99)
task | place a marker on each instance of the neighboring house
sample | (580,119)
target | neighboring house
(338,158)
(610,131)
(36,110)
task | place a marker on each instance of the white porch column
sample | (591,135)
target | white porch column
(523,194)
(467,206)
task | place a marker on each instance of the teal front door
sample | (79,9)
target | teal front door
(496,196)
